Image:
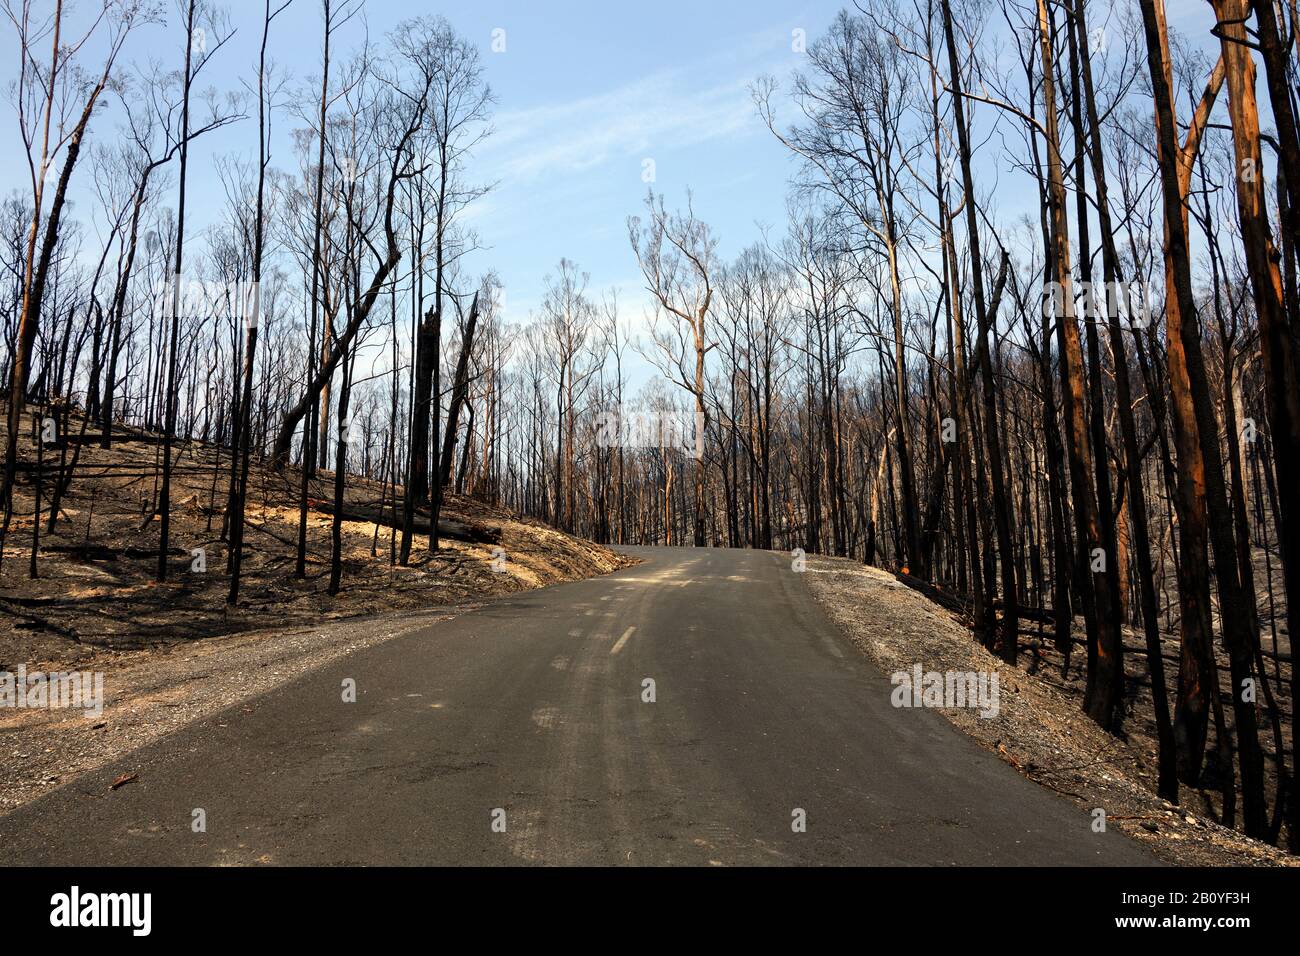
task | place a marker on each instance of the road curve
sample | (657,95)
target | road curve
(533,705)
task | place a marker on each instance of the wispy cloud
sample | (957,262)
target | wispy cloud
(658,112)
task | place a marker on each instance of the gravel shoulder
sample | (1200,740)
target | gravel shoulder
(150,694)
(1039,729)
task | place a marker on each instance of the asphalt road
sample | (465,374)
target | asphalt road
(533,705)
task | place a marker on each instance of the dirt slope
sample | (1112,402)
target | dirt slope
(96,593)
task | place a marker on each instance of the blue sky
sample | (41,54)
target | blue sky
(587,93)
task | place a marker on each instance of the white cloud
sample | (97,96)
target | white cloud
(657,113)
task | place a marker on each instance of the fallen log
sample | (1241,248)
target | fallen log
(34,622)
(944,599)
(100,552)
(119,438)
(956,602)
(468,531)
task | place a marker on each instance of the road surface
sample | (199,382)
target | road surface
(534,706)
